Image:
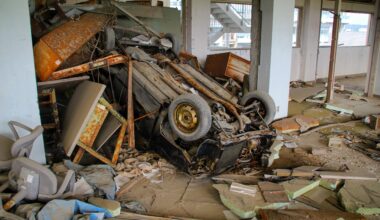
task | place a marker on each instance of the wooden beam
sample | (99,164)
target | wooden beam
(130,116)
(334,46)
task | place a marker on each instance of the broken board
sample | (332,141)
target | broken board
(297,187)
(362,197)
(244,206)
(288,125)
(302,93)
(273,193)
(78,113)
(110,126)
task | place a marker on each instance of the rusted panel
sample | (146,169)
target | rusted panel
(96,64)
(227,65)
(112,110)
(58,45)
(190,58)
(93,126)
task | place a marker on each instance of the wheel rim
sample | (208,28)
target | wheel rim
(186,118)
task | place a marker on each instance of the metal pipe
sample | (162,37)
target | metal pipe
(96,64)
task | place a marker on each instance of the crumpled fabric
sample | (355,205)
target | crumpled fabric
(68,209)
(98,176)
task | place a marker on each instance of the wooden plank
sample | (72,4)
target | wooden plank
(273,193)
(119,143)
(110,126)
(346,175)
(130,116)
(96,154)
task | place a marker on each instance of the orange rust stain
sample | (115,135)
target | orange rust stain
(58,45)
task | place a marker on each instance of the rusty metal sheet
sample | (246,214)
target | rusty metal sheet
(93,125)
(96,64)
(58,45)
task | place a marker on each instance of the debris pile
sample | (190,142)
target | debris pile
(338,194)
(120,104)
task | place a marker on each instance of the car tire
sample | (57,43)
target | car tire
(265,99)
(186,109)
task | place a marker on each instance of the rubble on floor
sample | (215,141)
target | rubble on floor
(231,168)
(297,123)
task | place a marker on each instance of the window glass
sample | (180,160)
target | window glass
(296,18)
(176,4)
(230,26)
(353,30)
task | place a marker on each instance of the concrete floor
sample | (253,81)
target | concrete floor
(185,196)
(337,156)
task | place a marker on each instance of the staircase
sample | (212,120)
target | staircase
(231,19)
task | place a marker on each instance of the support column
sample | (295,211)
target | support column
(310,39)
(200,25)
(18,87)
(255,45)
(373,79)
(276,51)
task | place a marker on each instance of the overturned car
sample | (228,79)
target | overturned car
(192,120)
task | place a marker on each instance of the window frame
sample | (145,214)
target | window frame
(370,20)
(299,27)
(211,48)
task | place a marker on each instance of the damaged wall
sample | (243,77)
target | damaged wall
(18,87)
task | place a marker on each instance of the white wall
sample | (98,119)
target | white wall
(296,67)
(18,88)
(349,61)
